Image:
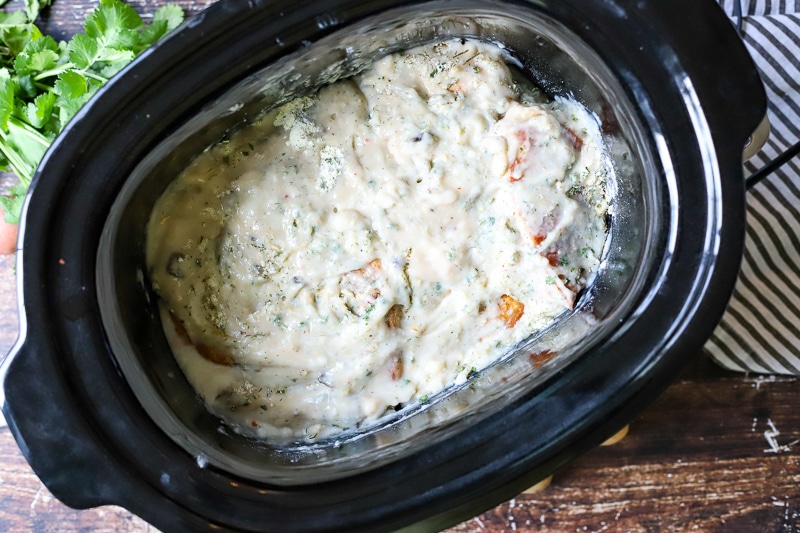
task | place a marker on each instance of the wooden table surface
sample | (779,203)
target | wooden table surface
(716,452)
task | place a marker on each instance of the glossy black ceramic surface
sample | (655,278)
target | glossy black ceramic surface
(100,409)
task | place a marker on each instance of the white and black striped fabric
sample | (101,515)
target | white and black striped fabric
(760,331)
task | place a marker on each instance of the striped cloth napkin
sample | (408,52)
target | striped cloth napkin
(760,332)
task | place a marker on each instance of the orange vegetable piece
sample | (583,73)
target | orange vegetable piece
(540,358)
(213,354)
(511,310)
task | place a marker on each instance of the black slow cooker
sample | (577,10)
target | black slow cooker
(101,410)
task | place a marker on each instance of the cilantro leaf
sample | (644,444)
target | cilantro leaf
(83,51)
(73,90)
(112,55)
(68,107)
(172,14)
(40,110)
(35,61)
(12,19)
(71,84)
(113,24)
(156,30)
(34,7)
(165,19)
(114,61)
(15,34)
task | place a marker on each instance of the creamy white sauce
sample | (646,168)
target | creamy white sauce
(376,242)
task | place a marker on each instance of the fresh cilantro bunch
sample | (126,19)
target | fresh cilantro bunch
(43,83)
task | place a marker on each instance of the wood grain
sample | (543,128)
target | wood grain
(696,460)
(65,18)
(717,452)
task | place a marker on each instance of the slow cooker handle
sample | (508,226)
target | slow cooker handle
(56,440)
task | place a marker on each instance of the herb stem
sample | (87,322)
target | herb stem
(18,164)
(94,76)
(53,71)
(43,87)
(30,131)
